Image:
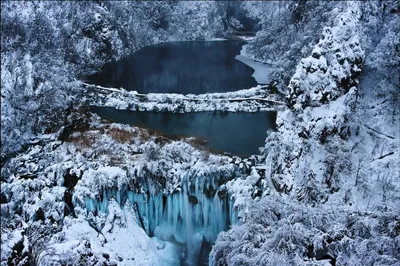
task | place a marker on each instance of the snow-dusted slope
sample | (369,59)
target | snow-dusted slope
(325,190)
(332,173)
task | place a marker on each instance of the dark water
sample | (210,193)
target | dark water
(239,133)
(179,67)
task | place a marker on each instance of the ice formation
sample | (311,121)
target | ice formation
(192,216)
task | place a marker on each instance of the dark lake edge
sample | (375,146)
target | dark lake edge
(187,67)
(233,133)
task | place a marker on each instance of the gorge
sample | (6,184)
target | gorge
(200,133)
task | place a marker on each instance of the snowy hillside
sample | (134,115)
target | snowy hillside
(335,156)
(324,189)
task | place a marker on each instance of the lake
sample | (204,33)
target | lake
(194,67)
(239,133)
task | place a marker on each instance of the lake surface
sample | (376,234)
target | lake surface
(239,133)
(179,67)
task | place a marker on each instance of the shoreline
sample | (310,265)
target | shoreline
(261,70)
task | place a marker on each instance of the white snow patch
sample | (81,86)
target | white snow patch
(120,238)
(261,71)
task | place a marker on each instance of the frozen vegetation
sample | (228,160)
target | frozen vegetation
(324,190)
(331,184)
(94,172)
(249,100)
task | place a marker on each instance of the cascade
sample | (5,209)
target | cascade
(191,217)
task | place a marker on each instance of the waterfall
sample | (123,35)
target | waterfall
(192,216)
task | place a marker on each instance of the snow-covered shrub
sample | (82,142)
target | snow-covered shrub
(331,165)
(288,32)
(332,69)
(282,232)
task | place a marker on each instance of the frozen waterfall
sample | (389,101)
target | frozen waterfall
(192,216)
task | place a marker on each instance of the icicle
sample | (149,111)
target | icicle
(193,216)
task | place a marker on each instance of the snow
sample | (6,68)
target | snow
(246,38)
(334,61)
(328,184)
(249,100)
(13,238)
(336,160)
(116,204)
(124,241)
(261,70)
(217,39)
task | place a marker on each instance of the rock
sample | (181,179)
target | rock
(39,215)
(28,176)
(193,199)
(222,193)
(209,192)
(257,193)
(70,179)
(3,198)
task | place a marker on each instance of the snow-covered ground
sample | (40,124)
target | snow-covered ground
(261,70)
(249,100)
(121,242)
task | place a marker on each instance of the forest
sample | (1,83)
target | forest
(323,189)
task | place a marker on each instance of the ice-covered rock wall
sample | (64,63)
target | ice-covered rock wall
(192,216)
